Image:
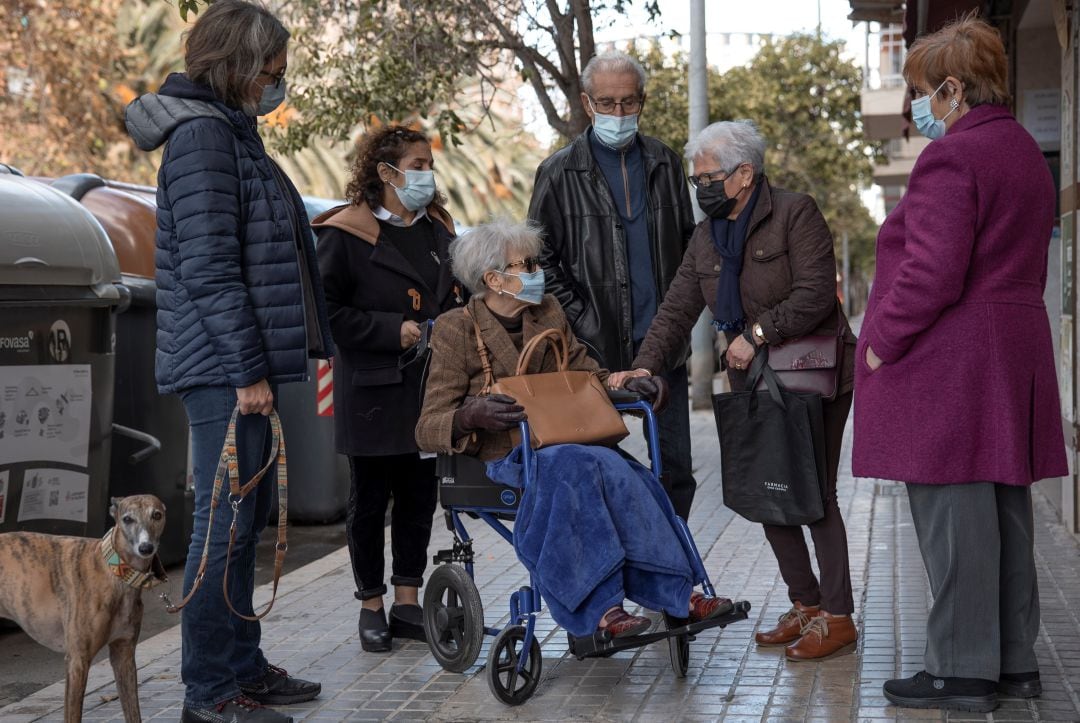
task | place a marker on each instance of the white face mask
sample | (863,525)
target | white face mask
(419,188)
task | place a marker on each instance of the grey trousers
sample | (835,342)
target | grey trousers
(978,544)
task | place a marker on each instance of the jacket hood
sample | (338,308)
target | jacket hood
(151,118)
(361,222)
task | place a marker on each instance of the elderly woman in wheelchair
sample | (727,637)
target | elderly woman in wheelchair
(593,527)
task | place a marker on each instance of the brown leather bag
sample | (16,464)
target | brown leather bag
(808,363)
(563,407)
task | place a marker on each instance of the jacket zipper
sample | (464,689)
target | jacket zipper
(625,183)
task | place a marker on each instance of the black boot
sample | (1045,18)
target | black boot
(407,621)
(1020,685)
(923,690)
(374,634)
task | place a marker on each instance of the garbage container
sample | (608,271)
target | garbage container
(150,431)
(59,296)
(318,475)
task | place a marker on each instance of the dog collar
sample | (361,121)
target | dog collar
(126,573)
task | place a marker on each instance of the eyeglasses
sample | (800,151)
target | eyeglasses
(607,105)
(530,264)
(704,180)
(275,80)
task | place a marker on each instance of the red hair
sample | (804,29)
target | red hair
(968,49)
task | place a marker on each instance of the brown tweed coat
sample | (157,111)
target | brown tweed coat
(456,372)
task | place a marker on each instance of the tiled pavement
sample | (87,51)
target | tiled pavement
(312,632)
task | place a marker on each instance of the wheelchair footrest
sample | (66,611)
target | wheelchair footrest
(601,644)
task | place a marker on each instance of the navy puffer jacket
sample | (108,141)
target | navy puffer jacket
(230,301)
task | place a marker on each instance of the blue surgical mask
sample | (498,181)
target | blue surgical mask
(923,117)
(532,286)
(614,130)
(273,95)
(418,191)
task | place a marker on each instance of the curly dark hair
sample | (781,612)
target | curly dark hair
(383,145)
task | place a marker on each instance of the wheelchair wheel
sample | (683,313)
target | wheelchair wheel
(679,649)
(453,618)
(505,681)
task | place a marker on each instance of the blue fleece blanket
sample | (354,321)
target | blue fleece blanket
(595,528)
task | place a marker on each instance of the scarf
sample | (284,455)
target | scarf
(729,238)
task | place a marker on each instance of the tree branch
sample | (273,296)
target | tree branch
(586,41)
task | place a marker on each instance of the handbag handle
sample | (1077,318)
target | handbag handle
(485,360)
(759,368)
(559,346)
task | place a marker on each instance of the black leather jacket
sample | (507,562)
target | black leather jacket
(584,258)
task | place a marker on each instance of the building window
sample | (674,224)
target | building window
(892,56)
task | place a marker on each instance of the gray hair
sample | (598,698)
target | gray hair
(229,45)
(488,247)
(613,61)
(730,143)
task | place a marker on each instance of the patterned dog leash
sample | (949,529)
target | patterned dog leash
(229,470)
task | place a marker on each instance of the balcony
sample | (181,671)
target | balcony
(882,105)
(901,159)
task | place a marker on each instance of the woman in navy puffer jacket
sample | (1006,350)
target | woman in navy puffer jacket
(240,310)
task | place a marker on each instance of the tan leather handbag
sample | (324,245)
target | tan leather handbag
(564,407)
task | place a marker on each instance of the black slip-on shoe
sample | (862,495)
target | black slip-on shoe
(1020,685)
(407,621)
(240,709)
(923,690)
(374,634)
(279,688)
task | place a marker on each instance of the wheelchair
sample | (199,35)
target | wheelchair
(453,612)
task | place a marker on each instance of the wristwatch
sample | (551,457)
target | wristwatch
(759,334)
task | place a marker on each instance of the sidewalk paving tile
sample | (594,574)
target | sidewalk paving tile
(313,634)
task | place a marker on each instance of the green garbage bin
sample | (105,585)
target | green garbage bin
(59,296)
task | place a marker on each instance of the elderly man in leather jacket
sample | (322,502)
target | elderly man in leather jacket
(617,217)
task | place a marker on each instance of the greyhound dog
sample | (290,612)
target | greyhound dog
(75,595)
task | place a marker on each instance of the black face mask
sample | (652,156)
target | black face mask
(714,200)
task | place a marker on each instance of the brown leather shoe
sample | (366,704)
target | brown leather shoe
(622,624)
(707,608)
(790,625)
(825,637)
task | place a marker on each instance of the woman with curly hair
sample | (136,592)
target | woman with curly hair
(385,267)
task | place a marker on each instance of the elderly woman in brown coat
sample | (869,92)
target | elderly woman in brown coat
(569,506)
(763,263)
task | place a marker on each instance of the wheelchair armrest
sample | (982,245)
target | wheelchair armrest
(623,396)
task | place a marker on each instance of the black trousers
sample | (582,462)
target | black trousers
(833,592)
(673,425)
(411,482)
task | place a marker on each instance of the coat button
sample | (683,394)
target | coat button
(760,252)
(716,267)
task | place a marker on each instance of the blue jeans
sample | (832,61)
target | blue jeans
(219,648)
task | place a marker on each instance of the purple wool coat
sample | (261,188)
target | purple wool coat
(968,390)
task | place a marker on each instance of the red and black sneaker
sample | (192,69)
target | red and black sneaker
(279,688)
(240,709)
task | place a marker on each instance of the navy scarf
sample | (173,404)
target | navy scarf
(729,237)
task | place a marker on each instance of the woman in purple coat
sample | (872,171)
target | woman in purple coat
(955,387)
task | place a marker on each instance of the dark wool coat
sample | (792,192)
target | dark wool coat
(229,296)
(371,289)
(787,284)
(968,389)
(456,371)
